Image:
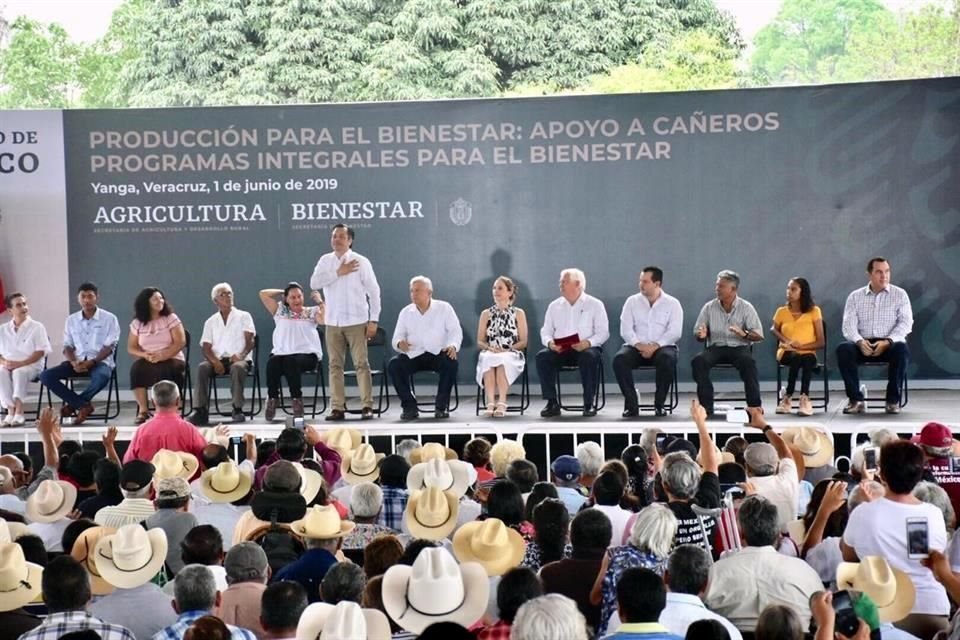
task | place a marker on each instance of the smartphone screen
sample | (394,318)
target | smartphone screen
(235,440)
(870,458)
(918,538)
(661,437)
(955,464)
(738,416)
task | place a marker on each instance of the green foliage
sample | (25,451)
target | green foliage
(39,67)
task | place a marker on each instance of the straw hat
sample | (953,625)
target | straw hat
(20,581)
(322,523)
(310,482)
(225,483)
(431,513)
(83,552)
(722,456)
(132,556)
(446,475)
(497,547)
(890,589)
(815,445)
(52,501)
(174,464)
(435,589)
(345,621)
(10,531)
(430,451)
(360,465)
(797,530)
(342,439)
(212,437)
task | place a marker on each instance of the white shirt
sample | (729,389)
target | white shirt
(884,314)
(296,333)
(619,517)
(744,583)
(684,609)
(10,502)
(86,336)
(879,528)
(429,332)
(228,338)
(586,318)
(351,299)
(51,533)
(660,322)
(223,516)
(825,558)
(19,343)
(781,489)
(129,511)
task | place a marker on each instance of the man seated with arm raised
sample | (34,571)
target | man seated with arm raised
(427,337)
(575,314)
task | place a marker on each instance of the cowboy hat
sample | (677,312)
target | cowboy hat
(83,551)
(447,475)
(10,531)
(344,621)
(360,465)
(342,439)
(890,589)
(212,437)
(797,530)
(321,523)
(723,457)
(174,464)
(815,445)
(310,482)
(497,547)
(225,483)
(431,514)
(20,581)
(132,556)
(430,451)
(435,589)
(52,501)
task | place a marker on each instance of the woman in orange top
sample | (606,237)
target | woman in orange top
(798,326)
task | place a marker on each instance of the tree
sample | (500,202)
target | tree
(807,38)
(39,67)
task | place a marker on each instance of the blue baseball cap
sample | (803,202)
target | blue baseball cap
(566,468)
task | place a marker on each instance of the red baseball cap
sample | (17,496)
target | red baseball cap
(936,435)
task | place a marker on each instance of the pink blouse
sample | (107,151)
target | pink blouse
(156,335)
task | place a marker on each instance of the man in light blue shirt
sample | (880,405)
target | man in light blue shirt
(196,596)
(566,475)
(90,338)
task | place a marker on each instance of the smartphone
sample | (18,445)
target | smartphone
(235,440)
(955,464)
(870,459)
(738,416)
(846,621)
(661,437)
(735,493)
(918,538)
(295,423)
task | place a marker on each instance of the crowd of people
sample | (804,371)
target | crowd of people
(317,535)
(877,319)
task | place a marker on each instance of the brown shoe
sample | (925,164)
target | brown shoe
(142,417)
(366,413)
(83,413)
(66,411)
(855,407)
(336,415)
(271,411)
(297,404)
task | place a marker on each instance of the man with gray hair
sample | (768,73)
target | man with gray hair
(136,479)
(574,330)
(247,575)
(686,577)
(590,456)
(196,596)
(344,581)
(728,325)
(549,617)
(166,430)
(427,338)
(743,584)
(227,345)
(772,470)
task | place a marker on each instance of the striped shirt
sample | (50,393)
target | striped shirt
(130,511)
(718,322)
(178,629)
(885,314)
(59,624)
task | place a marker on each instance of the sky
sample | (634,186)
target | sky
(87,20)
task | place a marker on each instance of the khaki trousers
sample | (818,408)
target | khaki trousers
(338,339)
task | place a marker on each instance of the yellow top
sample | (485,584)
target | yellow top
(800,328)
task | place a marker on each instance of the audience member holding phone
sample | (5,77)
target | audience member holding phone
(936,441)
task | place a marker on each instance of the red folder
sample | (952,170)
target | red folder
(567,342)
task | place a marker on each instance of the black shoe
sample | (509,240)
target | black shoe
(199,418)
(630,413)
(552,410)
(716,417)
(441,414)
(238,415)
(660,412)
(589,412)
(366,413)
(407,416)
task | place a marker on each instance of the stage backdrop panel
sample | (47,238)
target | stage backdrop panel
(33,217)
(773,183)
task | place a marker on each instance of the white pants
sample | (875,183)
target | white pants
(13,384)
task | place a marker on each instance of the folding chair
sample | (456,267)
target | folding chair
(742,398)
(673,394)
(880,401)
(524,391)
(319,389)
(822,369)
(600,397)
(256,395)
(379,340)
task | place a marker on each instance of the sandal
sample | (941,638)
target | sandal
(501,410)
(489,413)
(142,417)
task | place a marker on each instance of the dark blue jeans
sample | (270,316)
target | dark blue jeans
(99,378)
(402,367)
(849,358)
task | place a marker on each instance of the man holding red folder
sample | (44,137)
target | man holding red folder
(574,329)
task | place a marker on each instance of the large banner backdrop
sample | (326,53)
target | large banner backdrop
(775,183)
